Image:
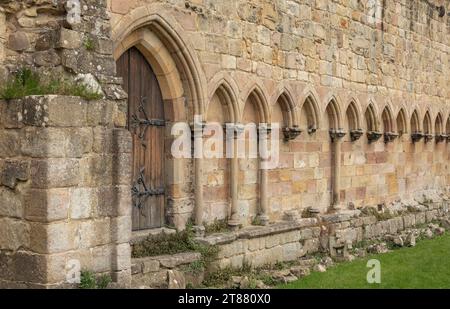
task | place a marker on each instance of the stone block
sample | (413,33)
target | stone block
(176,260)
(54,111)
(69,39)
(11,203)
(100,113)
(54,237)
(9,143)
(291,251)
(14,171)
(47,205)
(54,173)
(11,114)
(14,234)
(121,257)
(121,229)
(82,202)
(102,258)
(56,142)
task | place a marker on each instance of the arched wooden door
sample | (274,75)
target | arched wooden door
(147,125)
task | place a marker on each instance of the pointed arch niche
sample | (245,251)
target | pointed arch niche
(309,115)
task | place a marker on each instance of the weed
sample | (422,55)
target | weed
(257,221)
(218,226)
(89,44)
(26,82)
(164,244)
(89,281)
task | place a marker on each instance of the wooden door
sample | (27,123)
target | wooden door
(147,125)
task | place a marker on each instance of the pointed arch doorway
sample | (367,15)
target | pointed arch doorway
(146,122)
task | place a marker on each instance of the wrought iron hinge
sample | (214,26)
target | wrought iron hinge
(140,196)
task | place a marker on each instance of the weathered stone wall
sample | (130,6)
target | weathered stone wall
(293,58)
(335,235)
(66,38)
(65,191)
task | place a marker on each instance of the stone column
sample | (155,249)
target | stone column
(336,138)
(263,137)
(235,220)
(198,182)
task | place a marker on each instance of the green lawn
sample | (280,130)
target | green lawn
(425,266)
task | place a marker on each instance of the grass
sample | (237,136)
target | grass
(218,226)
(425,266)
(26,82)
(179,242)
(89,281)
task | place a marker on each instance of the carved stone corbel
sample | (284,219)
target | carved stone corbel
(417,136)
(390,137)
(374,136)
(356,134)
(337,134)
(291,133)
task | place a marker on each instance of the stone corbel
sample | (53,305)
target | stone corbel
(337,134)
(428,138)
(356,134)
(390,137)
(374,136)
(291,133)
(441,137)
(312,130)
(416,137)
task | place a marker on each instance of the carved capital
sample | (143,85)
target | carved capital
(417,136)
(390,137)
(429,138)
(441,137)
(337,134)
(291,133)
(356,134)
(374,136)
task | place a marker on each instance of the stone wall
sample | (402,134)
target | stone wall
(65,191)
(335,235)
(67,38)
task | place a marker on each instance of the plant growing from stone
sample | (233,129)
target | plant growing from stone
(90,281)
(27,82)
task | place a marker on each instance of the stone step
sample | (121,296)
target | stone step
(162,271)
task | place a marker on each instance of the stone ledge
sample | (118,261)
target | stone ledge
(139,236)
(256,232)
(155,263)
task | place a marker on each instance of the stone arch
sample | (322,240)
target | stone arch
(439,124)
(160,40)
(353,116)
(415,122)
(401,122)
(388,120)
(286,104)
(225,90)
(309,118)
(333,114)
(427,124)
(371,118)
(256,96)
